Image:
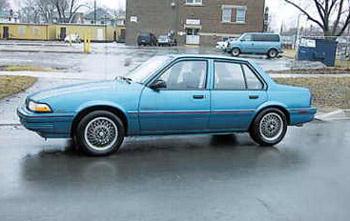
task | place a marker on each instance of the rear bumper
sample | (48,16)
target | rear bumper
(46,125)
(301,115)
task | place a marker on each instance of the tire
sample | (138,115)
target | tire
(272,53)
(99,125)
(269,127)
(235,52)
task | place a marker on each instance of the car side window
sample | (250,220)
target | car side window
(229,76)
(253,82)
(247,37)
(186,75)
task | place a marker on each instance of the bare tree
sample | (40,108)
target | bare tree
(67,9)
(74,6)
(3,4)
(333,16)
(30,12)
(46,10)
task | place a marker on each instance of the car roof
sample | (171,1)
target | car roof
(261,33)
(207,56)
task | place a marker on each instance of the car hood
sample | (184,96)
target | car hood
(234,42)
(90,88)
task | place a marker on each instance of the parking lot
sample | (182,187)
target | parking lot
(180,178)
(107,60)
(165,178)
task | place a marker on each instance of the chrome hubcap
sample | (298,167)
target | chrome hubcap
(235,52)
(271,126)
(272,54)
(101,133)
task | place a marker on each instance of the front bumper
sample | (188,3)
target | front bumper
(47,125)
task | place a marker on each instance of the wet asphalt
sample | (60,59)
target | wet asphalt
(306,177)
(107,60)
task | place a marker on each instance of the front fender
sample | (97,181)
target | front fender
(130,115)
(90,104)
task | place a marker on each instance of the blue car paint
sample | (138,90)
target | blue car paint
(255,47)
(150,112)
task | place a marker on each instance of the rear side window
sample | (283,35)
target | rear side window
(253,82)
(266,37)
(229,76)
(234,76)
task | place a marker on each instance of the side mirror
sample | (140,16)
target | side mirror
(158,84)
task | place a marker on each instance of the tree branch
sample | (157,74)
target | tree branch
(337,20)
(305,13)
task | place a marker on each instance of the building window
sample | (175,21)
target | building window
(233,13)
(193,2)
(240,15)
(226,14)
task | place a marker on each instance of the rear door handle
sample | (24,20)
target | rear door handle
(253,97)
(198,96)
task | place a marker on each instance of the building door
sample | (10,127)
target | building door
(192,36)
(5,32)
(122,35)
(100,36)
(63,33)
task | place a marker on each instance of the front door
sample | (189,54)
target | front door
(5,32)
(192,36)
(183,106)
(236,94)
(247,44)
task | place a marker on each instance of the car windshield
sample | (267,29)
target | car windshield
(241,37)
(163,37)
(143,71)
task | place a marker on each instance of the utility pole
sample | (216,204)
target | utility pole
(95,12)
(298,32)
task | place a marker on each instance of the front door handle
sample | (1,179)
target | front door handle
(253,97)
(198,96)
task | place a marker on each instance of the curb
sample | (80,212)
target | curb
(36,51)
(334,115)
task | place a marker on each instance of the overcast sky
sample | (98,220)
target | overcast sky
(280,12)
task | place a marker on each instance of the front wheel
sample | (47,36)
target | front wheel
(235,52)
(273,53)
(100,133)
(269,127)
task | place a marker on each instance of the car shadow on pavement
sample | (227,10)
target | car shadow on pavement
(141,160)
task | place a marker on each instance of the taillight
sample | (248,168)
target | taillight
(311,98)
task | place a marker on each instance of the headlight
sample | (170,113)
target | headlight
(39,107)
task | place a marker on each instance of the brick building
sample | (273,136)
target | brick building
(195,22)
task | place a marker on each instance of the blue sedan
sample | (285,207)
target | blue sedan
(168,95)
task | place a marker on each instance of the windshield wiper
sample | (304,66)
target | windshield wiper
(129,80)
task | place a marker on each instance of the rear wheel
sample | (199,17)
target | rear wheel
(272,53)
(269,127)
(100,133)
(235,52)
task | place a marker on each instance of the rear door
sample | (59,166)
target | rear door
(237,91)
(264,42)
